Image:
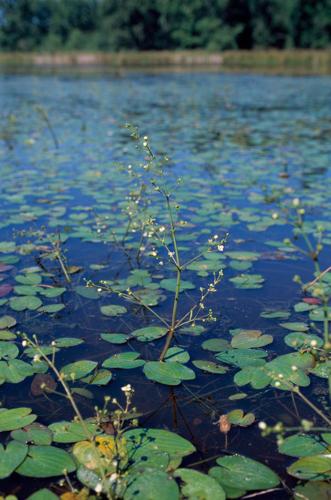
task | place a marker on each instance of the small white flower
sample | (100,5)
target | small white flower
(36,358)
(275,216)
(277,383)
(294,368)
(313,343)
(262,426)
(296,202)
(24,343)
(98,488)
(220,248)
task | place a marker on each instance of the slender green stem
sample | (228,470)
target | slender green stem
(297,391)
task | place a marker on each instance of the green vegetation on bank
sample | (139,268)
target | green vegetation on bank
(112,25)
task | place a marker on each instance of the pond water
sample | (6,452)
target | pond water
(250,152)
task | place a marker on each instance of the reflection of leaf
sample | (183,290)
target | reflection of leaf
(113,310)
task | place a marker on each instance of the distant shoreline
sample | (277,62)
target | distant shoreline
(296,60)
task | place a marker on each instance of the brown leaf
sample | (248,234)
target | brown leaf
(224,424)
(42,383)
(108,428)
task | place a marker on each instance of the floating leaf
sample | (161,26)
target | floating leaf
(115,338)
(295,326)
(199,485)
(7,322)
(29,302)
(210,366)
(248,281)
(177,354)
(87,292)
(243,473)
(149,333)
(11,457)
(317,467)
(46,461)
(301,445)
(151,484)
(297,340)
(78,369)
(15,418)
(71,432)
(124,360)
(113,310)
(215,345)
(243,357)
(168,373)
(250,338)
(34,434)
(170,285)
(275,314)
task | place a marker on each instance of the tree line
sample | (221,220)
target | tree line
(163,24)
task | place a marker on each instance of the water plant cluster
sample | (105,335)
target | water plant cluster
(141,355)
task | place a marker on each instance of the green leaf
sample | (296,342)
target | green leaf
(11,457)
(87,292)
(275,314)
(115,338)
(151,484)
(78,369)
(29,302)
(295,326)
(199,486)
(157,440)
(113,310)
(68,342)
(248,281)
(28,279)
(210,366)
(70,432)
(250,338)
(240,472)
(101,377)
(177,354)
(52,308)
(52,293)
(34,434)
(243,357)
(168,373)
(301,445)
(15,418)
(46,461)
(237,417)
(7,322)
(8,350)
(316,467)
(170,285)
(313,490)
(297,340)
(124,360)
(43,494)
(149,333)
(215,345)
